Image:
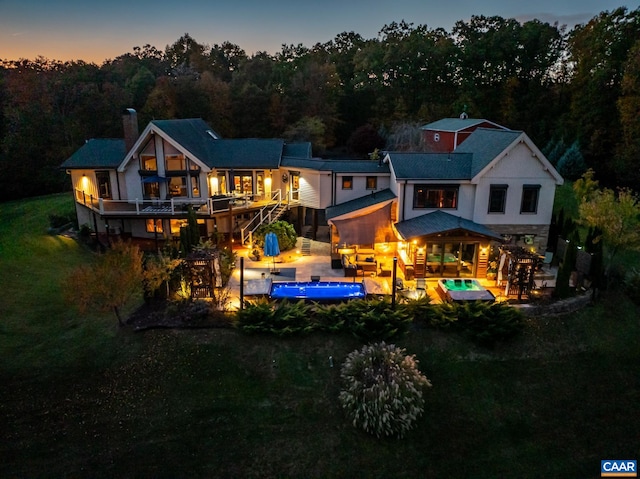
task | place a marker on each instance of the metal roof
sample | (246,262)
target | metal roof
(456,124)
(97,153)
(438,222)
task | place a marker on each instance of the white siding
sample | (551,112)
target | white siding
(516,169)
(466,198)
(310,189)
(359,186)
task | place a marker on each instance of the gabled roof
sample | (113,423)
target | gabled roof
(431,166)
(438,222)
(244,153)
(457,124)
(486,144)
(194,134)
(347,207)
(97,153)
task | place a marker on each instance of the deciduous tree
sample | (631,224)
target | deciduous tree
(110,283)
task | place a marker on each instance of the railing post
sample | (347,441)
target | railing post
(101,205)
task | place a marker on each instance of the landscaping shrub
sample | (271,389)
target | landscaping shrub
(255,317)
(329,318)
(285,232)
(283,319)
(382,389)
(291,318)
(489,323)
(376,320)
(432,315)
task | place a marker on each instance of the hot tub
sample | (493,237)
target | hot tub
(463,290)
(317,290)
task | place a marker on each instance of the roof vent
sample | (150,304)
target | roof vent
(464,115)
(212,134)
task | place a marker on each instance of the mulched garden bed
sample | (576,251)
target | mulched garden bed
(159,314)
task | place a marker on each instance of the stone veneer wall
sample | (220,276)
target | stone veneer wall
(540,239)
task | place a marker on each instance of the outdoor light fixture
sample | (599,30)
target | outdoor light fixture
(344,249)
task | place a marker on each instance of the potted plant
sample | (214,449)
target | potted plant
(492,270)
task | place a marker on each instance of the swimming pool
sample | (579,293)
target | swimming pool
(317,290)
(463,290)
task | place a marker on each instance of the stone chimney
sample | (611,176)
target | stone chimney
(130,124)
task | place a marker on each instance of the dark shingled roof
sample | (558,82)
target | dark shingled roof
(338,166)
(97,153)
(297,150)
(359,203)
(440,222)
(436,166)
(485,144)
(191,133)
(247,153)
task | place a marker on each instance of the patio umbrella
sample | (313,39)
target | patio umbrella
(271,247)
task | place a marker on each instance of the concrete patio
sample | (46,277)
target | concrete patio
(317,266)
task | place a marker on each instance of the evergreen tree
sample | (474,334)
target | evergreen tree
(571,164)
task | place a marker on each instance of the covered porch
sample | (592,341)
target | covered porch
(441,245)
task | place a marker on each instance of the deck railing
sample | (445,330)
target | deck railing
(268,214)
(173,206)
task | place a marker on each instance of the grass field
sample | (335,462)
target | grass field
(81,398)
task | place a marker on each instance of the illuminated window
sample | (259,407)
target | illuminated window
(195,187)
(154,226)
(432,196)
(151,190)
(347,182)
(148,163)
(104,184)
(175,226)
(177,186)
(175,163)
(222,183)
(372,182)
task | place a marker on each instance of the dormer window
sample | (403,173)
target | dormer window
(436,137)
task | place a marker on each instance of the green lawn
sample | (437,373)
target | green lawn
(81,398)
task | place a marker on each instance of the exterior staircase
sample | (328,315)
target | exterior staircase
(305,248)
(267,215)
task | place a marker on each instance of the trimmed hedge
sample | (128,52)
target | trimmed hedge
(375,320)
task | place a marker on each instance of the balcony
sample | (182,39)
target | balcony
(172,207)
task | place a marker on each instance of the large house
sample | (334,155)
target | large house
(439,211)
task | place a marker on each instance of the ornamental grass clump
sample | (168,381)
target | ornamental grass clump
(382,389)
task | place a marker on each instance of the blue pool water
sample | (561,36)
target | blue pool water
(317,291)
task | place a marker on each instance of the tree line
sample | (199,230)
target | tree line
(574,93)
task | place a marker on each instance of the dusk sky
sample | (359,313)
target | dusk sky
(95,31)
